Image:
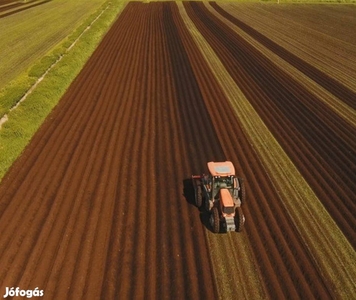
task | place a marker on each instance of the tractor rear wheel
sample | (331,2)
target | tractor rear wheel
(215,220)
(239,219)
(206,204)
(242,191)
(198,196)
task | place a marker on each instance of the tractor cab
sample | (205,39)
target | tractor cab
(222,176)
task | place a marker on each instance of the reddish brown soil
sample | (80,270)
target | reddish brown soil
(98,205)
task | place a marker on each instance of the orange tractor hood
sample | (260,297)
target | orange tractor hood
(226,198)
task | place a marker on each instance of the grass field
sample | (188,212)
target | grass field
(28,35)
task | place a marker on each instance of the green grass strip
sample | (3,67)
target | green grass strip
(25,120)
(26,36)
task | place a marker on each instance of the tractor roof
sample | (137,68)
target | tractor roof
(221,168)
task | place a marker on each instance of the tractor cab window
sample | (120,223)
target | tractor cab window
(228,210)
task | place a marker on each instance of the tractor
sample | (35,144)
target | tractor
(221,193)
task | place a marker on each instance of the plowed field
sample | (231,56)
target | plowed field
(99,205)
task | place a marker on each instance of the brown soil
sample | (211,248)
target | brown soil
(100,206)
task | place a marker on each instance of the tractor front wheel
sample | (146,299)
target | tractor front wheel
(215,220)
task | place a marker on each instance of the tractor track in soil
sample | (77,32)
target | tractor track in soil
(98,204)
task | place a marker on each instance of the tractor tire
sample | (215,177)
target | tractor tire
(206,204)
(215,220)
(239,219)
(198,196)
(242,191)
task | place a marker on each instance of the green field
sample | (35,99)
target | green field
(24,121)
(28,35)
